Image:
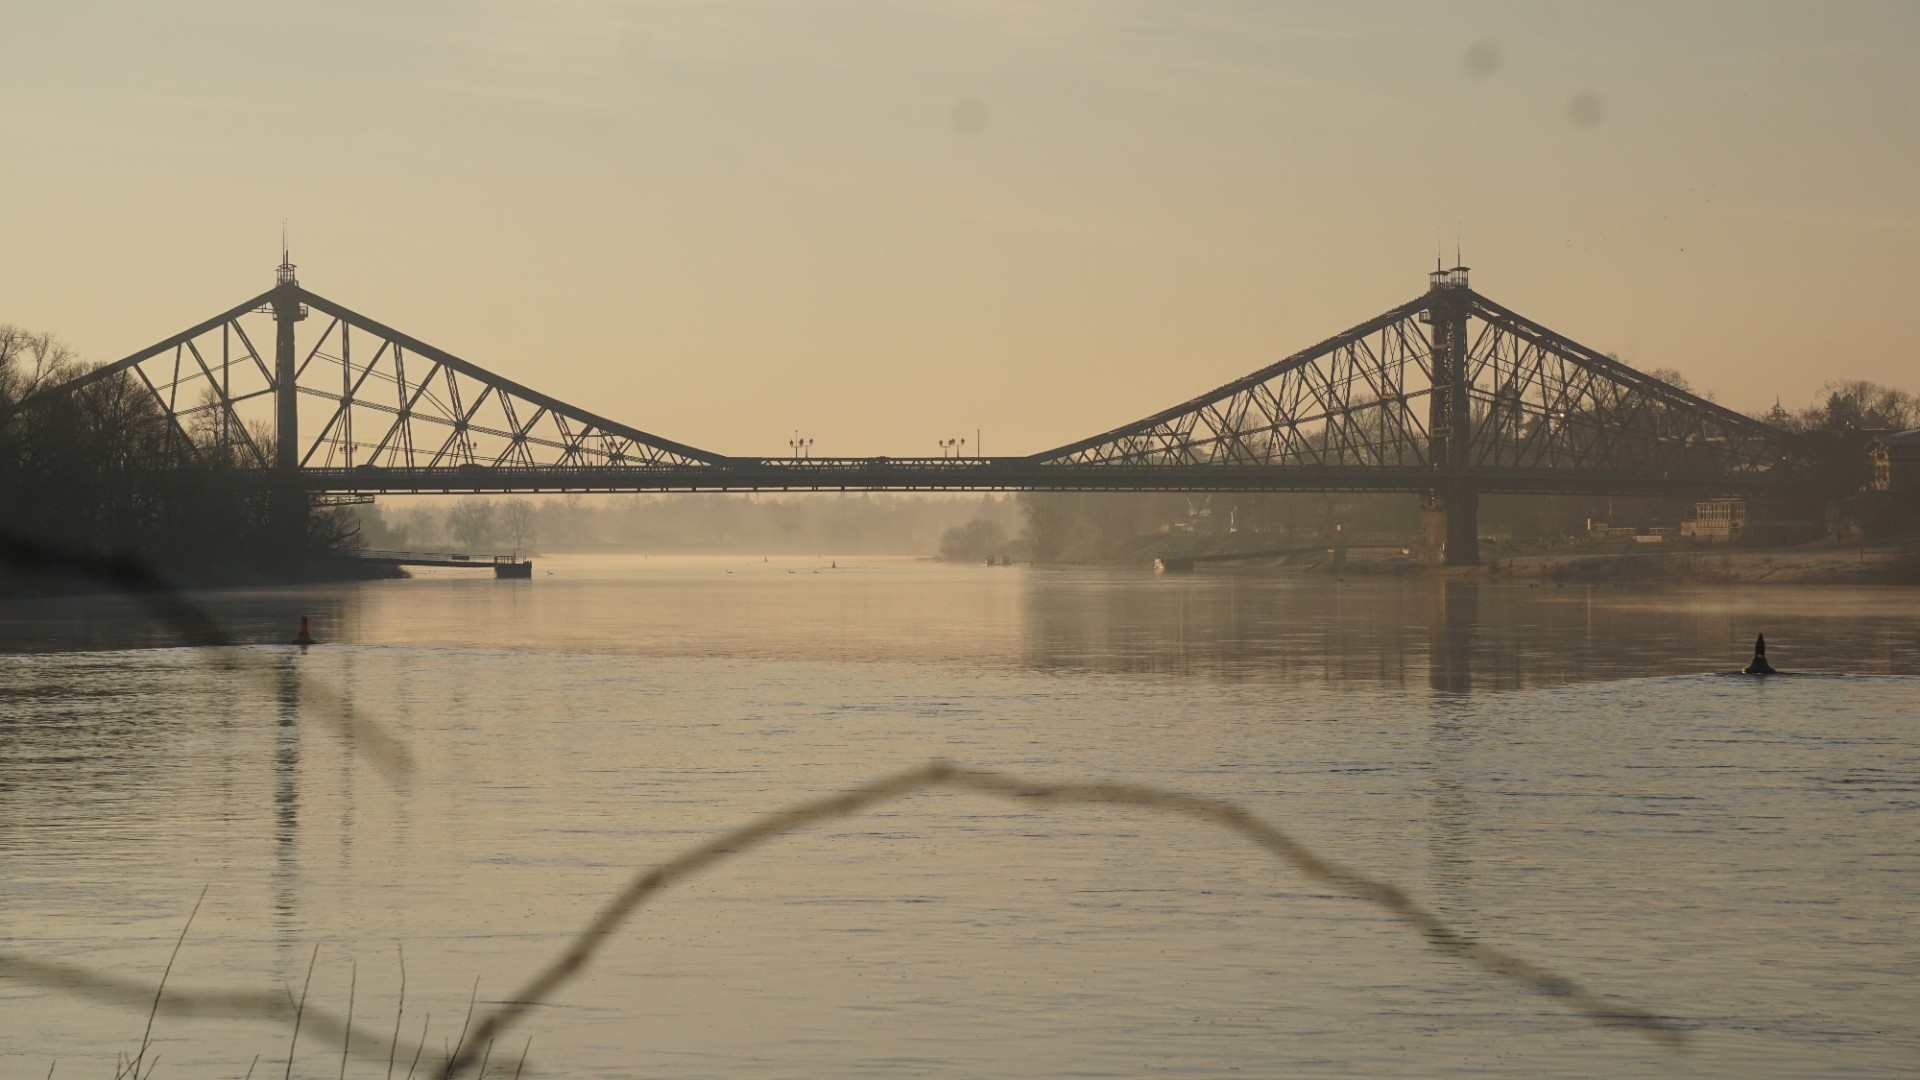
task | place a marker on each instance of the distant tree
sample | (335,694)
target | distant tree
(1672,377)
(1858,405)
(975,540)
(30,362)
(518,522)
(471,523)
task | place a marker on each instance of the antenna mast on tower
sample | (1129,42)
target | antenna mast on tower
(285,274)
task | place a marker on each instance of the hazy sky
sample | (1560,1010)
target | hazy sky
(885,223)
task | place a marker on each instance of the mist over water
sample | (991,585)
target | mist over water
(1567,773)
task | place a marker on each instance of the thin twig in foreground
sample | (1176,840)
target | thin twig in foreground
(127,993)
(196,626)
(1219,812)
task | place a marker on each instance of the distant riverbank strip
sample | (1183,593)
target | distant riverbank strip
(1883,564)
(1825,565)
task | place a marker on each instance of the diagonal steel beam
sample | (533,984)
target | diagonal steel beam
(505,385)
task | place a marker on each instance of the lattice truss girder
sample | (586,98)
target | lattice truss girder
(371,398)
(1363,398)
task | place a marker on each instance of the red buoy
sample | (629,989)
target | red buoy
(304,638)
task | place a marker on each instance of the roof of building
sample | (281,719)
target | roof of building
(1899,438)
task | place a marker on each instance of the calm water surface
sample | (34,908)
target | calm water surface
(1561,772)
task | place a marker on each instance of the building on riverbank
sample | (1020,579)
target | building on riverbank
(1895,457)
(1737,520)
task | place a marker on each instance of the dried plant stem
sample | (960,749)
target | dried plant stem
(461,1042)
(146,1037)
(419,1046)
(299,1009)
(346,1043)
(399,1012)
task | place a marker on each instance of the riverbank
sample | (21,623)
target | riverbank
(23,582)
(1807,565)
(1883,564)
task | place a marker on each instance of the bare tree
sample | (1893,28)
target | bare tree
(31,362)
(517,521)
(471,522)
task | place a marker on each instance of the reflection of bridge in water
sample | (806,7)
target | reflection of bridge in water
(1447,636)
(1448,395)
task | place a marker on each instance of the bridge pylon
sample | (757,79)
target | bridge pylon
(1449,511)
(288,505)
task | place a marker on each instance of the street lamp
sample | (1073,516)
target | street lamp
(800,446)
(951,447)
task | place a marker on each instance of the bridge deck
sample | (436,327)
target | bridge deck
(1019,474)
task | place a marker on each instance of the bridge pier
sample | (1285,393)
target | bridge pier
(1450,527)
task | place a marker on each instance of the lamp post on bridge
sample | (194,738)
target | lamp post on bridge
(951,448)
(802,448)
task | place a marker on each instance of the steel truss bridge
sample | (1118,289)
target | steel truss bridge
(1447,395)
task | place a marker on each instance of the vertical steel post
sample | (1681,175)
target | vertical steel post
(286,395)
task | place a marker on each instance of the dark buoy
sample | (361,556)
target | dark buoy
(1759,665)
(304,638)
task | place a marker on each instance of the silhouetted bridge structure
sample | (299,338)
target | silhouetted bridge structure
(1448,395)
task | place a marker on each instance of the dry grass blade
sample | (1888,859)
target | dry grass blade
(460,1043)
(146,1037)
(399,1011)
(346,1042)
(300,1010)
(1217,812)
(421,1046)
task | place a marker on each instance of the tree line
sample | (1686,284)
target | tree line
(102,470)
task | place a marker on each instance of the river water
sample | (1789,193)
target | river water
(1565,773)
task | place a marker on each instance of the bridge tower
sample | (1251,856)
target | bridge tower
(1449,510)
(289,498)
